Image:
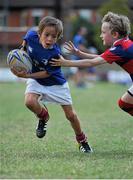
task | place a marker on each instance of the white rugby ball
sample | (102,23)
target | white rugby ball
(19,60)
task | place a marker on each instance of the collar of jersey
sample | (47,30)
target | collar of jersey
(119,41)
(51,47)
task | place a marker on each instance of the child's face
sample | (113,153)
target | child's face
(48,37)
(106,35)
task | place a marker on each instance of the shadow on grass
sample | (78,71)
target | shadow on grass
(115,154)
(57,155)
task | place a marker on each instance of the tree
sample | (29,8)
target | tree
(116,6)
(82,22)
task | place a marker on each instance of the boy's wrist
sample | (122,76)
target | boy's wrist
(28,76)
(77,51)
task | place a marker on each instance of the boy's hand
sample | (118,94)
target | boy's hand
(69,46)
(19,73)
(58,62)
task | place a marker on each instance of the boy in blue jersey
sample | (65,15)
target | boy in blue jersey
(115,30)
(47,83)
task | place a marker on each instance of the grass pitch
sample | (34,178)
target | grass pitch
(109,131)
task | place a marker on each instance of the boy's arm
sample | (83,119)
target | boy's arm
(78,63)
(85,55)
(23,74)
(23,45)
(69,46)
(36,75)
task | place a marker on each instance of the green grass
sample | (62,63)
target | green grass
(109,130)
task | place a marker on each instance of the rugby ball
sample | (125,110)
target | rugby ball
(19,60)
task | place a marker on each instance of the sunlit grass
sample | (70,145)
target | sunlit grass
(109,131)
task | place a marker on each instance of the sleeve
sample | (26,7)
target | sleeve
(112,55)
(29,35)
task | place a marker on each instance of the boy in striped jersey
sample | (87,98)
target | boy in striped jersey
(115,30)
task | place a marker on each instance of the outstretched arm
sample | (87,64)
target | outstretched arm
(78,63)
(69,46)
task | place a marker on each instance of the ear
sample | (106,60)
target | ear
(115,34)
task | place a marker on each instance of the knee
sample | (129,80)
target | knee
(29,102)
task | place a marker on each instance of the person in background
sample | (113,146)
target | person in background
(47,83)
(80,74)
(115,32)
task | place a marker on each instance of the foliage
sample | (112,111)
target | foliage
(119,7)
(97,39)
(78,22)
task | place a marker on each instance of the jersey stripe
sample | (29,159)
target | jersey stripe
(122,54)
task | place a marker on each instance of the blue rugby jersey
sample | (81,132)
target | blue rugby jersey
(41,57)
(122,54)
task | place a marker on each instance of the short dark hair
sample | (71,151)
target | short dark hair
(51,21)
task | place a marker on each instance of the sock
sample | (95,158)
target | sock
(81,138)
(44,115)
(126,107)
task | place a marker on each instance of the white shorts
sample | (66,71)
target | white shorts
(130,90)
(59,94)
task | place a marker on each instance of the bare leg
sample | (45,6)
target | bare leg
(75,123)
(31,101)
(73,118)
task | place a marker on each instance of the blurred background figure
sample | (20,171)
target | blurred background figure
(80,42)
(81,75)
(81,22)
